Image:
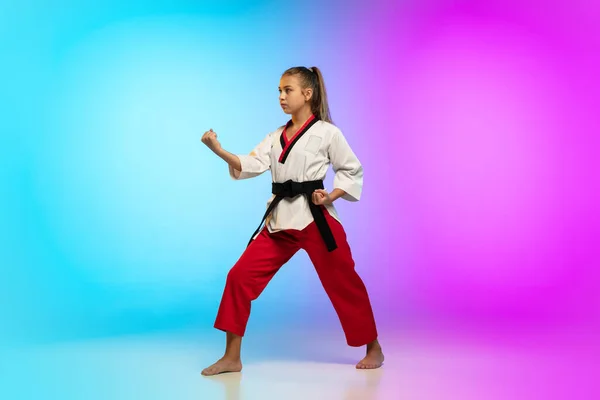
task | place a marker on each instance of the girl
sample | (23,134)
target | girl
(300,215)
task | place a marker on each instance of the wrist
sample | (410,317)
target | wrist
(336,194)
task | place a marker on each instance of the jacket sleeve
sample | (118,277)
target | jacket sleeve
(348,169)
(255,163)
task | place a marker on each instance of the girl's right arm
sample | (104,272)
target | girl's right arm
(242,166)
(231,159)
(210,140)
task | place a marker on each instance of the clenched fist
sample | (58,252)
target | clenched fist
(210,140)
(321,197)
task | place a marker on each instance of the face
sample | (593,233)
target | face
(292,97)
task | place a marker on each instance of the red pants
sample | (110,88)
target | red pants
(265,256)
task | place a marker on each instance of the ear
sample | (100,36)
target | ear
(308,92)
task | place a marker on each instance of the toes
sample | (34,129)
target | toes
(366,366)
(208,371)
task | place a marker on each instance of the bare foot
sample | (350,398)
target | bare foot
(373,359)
(223,365)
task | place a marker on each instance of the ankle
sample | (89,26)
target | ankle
(374,345)
(231,357)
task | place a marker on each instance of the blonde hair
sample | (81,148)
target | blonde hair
(312,78)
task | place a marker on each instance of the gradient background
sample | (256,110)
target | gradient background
(477,123)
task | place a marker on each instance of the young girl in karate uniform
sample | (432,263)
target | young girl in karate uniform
(300,215)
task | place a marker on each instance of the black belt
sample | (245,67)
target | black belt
(293,189)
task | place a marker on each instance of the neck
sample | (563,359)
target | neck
(299,118)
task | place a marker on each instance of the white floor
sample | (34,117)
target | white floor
(301,366)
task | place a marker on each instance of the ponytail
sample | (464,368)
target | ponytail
(312,78)
(320,105)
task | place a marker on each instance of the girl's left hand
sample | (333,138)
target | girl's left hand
(321,197)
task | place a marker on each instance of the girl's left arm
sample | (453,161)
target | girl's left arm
(348,180)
